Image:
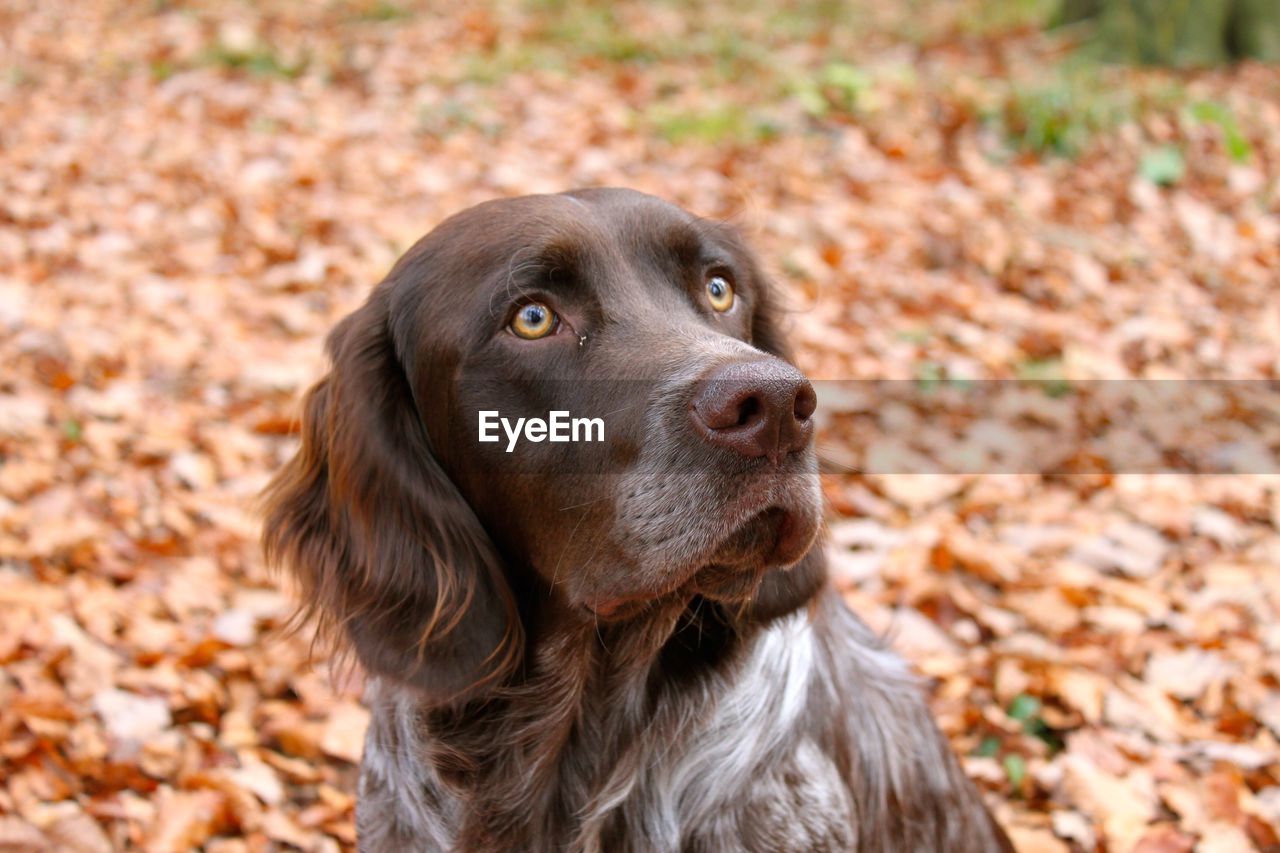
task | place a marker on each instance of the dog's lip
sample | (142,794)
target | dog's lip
(791,541)
(796,531)
(794,535)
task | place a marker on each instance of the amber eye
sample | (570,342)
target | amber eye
(720,293)
(534,321)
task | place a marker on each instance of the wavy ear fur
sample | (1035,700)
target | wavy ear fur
(388,554)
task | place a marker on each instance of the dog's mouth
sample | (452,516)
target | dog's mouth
(775,537)
(772,538)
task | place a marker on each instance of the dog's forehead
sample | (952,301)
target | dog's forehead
(621,246)
(640,223)
(596,221)
(603,222)
(629,207)
(593,232)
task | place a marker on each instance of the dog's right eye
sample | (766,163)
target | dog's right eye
(534,321)
(720,293)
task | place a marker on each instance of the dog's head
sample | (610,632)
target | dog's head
(428,549)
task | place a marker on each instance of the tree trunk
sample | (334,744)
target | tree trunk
(1257,29)
(1181,32)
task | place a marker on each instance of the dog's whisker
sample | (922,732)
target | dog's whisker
(595,617)
(828,464)
(625,408)
(555,573)
(585,503)
(697,610)
(514,268)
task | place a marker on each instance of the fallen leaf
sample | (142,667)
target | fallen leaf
(343,735)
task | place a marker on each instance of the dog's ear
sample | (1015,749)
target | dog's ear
(388,554)
(782,590)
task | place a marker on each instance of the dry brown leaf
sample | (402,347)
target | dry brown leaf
(1188,673)
(1122,806)
(1164,839)
(131,719)
(1033,840)
(179,228)
(18,836)
(344,732)
(185,820)
(73,830)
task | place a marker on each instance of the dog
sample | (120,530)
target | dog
(622,645)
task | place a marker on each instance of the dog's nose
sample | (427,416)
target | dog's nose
(756,408)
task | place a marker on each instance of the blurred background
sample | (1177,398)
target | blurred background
(191,194)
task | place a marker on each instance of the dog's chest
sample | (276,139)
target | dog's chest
(708,771)
(722,766)
(794,800)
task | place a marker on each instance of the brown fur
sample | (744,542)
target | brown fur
(732,703)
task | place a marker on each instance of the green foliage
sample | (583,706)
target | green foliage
(995,16)
(989,748)
(838,87)
(913,335)
(1015,767)
(1047,373)
(383,11)
(161,70)
(1212,112)
(1163,166)
(796,20)
(16,75)
(1040,369)
(455,114)
(737,50)
(264,124)
(1160,32)
(590,30)
(928,375)
(1026,708)
(1061,116)
(1178,32)
(1256,29)
(564,35)
(727,123)
(261,60)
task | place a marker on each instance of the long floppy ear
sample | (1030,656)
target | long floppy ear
(781,591)
(388,554)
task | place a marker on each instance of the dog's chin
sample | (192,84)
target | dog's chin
(774,538)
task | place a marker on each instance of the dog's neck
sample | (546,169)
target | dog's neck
(590,690)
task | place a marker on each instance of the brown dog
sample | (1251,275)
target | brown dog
(626,643)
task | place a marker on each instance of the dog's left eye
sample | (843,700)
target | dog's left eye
(534,321)
(720,293)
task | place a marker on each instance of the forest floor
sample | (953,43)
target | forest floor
(191,194)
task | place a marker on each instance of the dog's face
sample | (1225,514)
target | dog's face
(618,305)
(411,532)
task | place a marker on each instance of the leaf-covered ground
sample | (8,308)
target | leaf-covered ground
(191,194)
